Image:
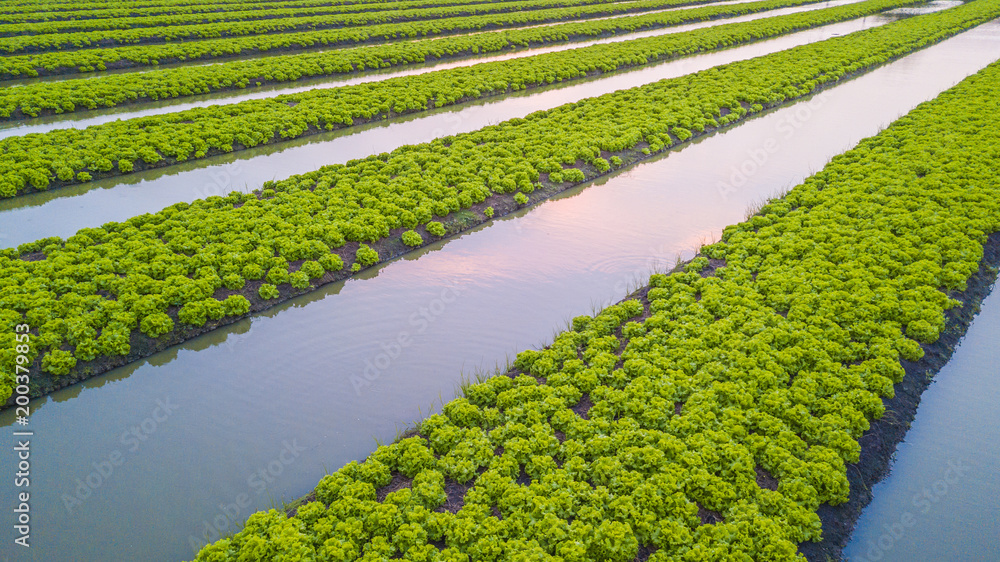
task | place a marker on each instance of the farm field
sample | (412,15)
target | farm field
(457,280)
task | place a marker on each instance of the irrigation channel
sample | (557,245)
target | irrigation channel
(256,412)
(82,119)
(31,216)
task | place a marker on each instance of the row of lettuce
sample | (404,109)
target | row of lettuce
(114,19)
(408,23)
(63,156)
(710,420)
(50,97)
(88,60)
(82,11)
(46,10)
(86,297)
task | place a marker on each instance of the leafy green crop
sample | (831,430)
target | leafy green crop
(156,324)
(708,420)
(59,362)
(235,305)
(366,256)
(34,162)
(47,10)
(435,228)
(412,238)
(268,291)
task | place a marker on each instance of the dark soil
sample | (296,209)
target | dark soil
(291,511)
(456,495)
(713,264)
(765,479)
(398,482)
(878,444)
(709,517)
(644,553)
(523,479)
(583,406)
